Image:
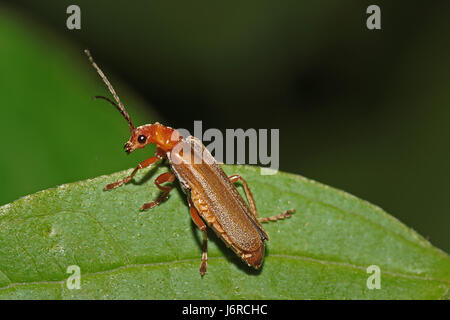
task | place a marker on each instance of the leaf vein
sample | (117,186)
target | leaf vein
(195,260)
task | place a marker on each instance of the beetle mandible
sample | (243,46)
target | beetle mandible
(212,196)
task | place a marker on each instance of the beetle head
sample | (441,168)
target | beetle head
(140,137)
(164,137)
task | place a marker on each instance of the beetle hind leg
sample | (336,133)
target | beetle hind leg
(202,226)
(204,264)
(235,178)
(251,201)
(276,217)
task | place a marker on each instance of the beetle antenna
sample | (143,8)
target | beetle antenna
(110,101)
(119,104)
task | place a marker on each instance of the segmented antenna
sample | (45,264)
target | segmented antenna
(119,104)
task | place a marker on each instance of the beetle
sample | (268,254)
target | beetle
(211,194)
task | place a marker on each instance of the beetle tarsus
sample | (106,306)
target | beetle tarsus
(148,206)
(281,216)
(203,268)
(204,264)
(121,182)
(114,185)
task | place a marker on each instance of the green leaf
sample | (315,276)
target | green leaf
(321,252)
(49,120)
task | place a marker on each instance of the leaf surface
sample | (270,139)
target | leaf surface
(321,252)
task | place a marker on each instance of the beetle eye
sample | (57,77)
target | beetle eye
(142,138)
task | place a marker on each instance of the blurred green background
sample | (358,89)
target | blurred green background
(364,111)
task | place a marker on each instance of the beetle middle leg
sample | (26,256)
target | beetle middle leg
(235,178)
(202,226)
(165,177)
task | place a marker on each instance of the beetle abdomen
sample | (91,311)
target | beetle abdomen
(217,200)
(253,257)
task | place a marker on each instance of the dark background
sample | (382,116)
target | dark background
(360,110)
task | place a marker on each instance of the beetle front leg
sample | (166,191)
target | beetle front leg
(141,165)
(202,226)
(165,177)
(251,201)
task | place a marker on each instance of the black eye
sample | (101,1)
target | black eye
(142,138)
